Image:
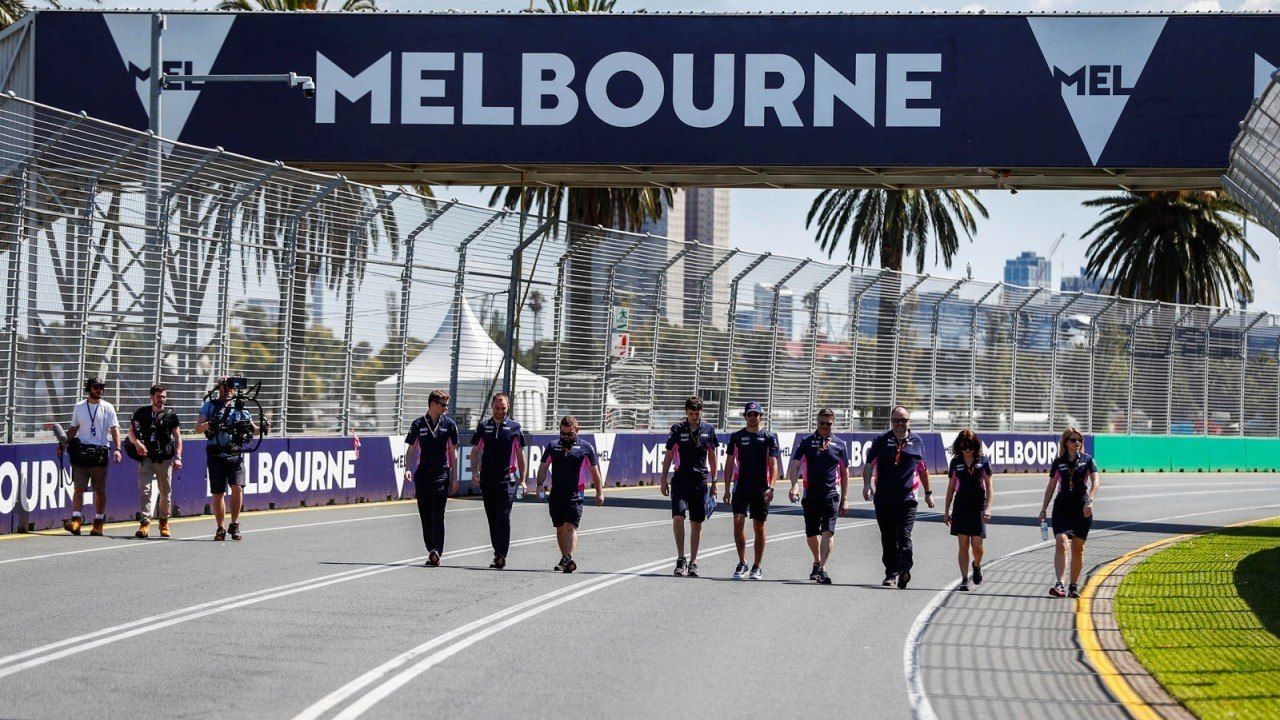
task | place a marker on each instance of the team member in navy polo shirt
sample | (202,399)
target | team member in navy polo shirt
(692,446)
(968,506)
(823,459)
(498,456)
(572,461)
(1074,477)
(754,463)
(896,462)
(434,438)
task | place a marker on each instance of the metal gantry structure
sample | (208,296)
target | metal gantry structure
(351,302)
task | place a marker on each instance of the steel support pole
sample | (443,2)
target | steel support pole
(933,343)
(1133,347)
(773,335)
(1168,394)
(1244,362)
(1093,354)
(514,303)
(14,299)
(660,297)
(733,332)
(702,317)
(291,268)
(897,335)
(811,408)
(459,306)
(224,265)
(1013,358)
(855,334)
(973,354)
(157,230)
(610,289)
(349,320)
(557,308)
(1208,329)
(406,293)
(1053,358)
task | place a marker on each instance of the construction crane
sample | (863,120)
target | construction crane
(1048,260)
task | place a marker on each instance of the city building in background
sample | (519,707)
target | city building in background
(1084,283)
(706,220)
(764,308)
(1028,270)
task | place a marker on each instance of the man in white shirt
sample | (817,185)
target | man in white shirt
(92,421)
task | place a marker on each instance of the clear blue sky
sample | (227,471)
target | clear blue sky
(774,219)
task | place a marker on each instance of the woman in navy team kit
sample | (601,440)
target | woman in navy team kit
(969,497)
(1074,477)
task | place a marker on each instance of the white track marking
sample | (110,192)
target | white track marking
(920,705)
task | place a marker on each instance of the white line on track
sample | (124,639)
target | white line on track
(515,614)
(921,708)
(18,662)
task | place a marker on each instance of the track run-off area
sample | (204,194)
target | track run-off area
(329,613)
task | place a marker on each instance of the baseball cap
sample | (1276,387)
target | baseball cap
(752,407)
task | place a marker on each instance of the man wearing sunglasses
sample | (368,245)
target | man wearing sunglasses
(692,447)
(753,462)
(497,463)
(894,472)
(822,459)
(572,462)
(93,420)
(434,437)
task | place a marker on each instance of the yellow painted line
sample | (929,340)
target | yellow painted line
(1115,681)
(58,532)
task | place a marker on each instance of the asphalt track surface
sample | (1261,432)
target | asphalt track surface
(328,613)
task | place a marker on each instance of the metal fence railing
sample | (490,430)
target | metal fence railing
(139,259)
(1253,177)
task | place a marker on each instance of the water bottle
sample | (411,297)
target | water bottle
(1044,529)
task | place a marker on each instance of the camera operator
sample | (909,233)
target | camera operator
(92,420)
(155,441)
(225,455)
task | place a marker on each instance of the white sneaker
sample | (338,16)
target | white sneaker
(755,573)
(740,571)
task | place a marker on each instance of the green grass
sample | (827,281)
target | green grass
(1204,617)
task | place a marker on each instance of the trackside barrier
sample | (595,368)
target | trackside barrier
(1172,453)
(289,472)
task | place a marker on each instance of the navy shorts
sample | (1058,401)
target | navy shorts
(567,509)
(751,502)
(1068,518)
(692,499)
(223,473)
(820,515)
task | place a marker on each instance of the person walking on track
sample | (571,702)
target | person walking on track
(692,448)
(93,420)
(750,470)
(155,441)
(498,463)
(968,506)
(571,462)
(433,443)
(895,471)
(823,460)
(1074,478)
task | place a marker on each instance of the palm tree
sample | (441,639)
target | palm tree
(288,5)
(889,226)
(1173,246)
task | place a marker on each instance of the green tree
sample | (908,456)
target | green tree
(290,5)
(1174,246)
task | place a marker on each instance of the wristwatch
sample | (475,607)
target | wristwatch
(928,493)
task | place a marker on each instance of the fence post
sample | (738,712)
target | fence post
(557,308)
(1204,386)
(513,309)
(702,317)
(291,266)
(610,288)
(1244,361)
(406,292)
(349,321)
(773,336)
(897,334)
(933,343)
(1133,347)
(224,265)
(660,297)
(733,331)
(1168,391)
(1053,358)
(14,299)
(855,333)
(459,302)
(1093,353)
(1013,357)
(973,354)
(816,293)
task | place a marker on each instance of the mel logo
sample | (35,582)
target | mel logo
(1096,62)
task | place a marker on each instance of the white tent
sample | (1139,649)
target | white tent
(479,362)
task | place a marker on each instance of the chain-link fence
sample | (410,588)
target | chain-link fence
(141,260)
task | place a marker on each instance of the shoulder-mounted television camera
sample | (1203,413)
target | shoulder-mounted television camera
(237,417)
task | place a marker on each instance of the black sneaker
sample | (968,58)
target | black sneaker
(680,565)
(823,577)
(498,563)
(817,569)
(220,534)
(433,559)
(741,571)
(889,580)
(1057,590)
(234,530)
(560,565)
(964,586)
(977,574)
(570,566)
(904,577)
(692,571)
(1073,591)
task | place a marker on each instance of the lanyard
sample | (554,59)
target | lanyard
(426,419)
(93,419)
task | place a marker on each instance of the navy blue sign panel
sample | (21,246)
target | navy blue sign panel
(649,90)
